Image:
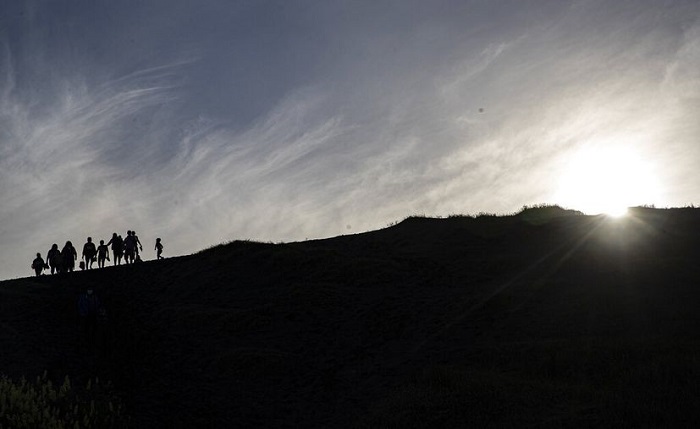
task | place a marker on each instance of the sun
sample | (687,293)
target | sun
(607,180)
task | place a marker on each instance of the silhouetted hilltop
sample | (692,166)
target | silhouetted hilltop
(547,318)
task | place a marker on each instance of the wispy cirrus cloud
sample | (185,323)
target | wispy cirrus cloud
(57,162)
(277,126)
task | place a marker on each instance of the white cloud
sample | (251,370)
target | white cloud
(386,130)
(55,183)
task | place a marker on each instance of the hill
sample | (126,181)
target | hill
(545,319)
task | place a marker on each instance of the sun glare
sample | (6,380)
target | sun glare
(607,180)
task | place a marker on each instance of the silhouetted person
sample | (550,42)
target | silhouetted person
(102,254)
(138,243)
(90,310)
(117,248)
(159,249)
(121,250)
(129,247)
(68,257)
(89,253)
(38,264)
(53,257)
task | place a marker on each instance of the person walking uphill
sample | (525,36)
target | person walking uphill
(68,257)
(102,254)
(117,248)
(159,249)
(53,257)
(138,243)
(90,310)
(89,253)
(38,264)
(129,248)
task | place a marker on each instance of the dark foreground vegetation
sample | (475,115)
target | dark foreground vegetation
(543,319)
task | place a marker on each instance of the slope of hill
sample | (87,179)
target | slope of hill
(561,320)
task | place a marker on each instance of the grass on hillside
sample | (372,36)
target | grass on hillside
(647,383)
(545,318)
(41,404)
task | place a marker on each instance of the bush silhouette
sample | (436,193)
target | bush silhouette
(543,213)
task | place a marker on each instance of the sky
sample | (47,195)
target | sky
(206,122)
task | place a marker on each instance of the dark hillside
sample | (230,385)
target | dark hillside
(554,320)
